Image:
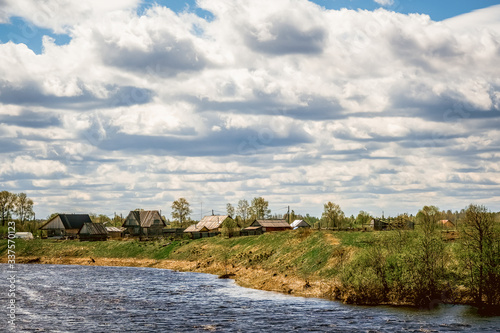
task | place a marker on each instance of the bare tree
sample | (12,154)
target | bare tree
(24,207)
(230,210)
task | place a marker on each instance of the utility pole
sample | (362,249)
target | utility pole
(288,214)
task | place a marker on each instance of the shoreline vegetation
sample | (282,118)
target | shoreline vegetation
(365,268)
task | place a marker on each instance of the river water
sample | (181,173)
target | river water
(53,298)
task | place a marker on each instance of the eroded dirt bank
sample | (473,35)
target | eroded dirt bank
(255,278)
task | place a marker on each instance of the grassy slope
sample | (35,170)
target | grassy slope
(302,253)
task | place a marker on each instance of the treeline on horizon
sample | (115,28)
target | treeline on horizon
(20,206)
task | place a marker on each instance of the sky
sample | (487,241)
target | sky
(376,105)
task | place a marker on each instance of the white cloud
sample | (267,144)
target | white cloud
(385,2)
(273,99)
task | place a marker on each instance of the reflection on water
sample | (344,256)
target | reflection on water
(108,299)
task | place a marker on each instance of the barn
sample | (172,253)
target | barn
(93,232)
(270,225)
(65,225)
(147,223)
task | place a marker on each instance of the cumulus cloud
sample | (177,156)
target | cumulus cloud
(385,2)
(282,99)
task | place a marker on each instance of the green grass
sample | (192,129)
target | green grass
(300,252)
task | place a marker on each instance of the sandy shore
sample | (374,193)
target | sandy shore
(246,277)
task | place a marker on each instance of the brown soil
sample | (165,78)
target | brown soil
(255,278)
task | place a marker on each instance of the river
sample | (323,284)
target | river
(53,298)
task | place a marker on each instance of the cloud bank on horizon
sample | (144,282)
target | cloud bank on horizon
(373,110)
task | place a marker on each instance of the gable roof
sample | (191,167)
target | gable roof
(299,223)
(212,221)
(273,223)
(70,221)
(93,229)
(145,218)
(195,228)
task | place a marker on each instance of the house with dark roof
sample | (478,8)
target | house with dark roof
(269,225)
(147,223)
(93,232)
(65,225)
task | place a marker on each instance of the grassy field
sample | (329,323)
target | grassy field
(303,253)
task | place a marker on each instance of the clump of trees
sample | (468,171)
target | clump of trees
(416,266)
(12,204)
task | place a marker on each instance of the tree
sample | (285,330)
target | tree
(363,218)
(230,210)
(181,210)
(480,254)
(259,209)
(23,207)
(7,205)
(242,210)
(333,215)
(428,256)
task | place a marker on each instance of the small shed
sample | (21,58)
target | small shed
(24,235)
(115,232)
(271,225)
(93,232)
(65,225)
(299,224)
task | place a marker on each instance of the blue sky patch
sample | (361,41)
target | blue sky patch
(20,31)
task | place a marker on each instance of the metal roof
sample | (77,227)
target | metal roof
(212,221)
(299,223)
(114,229)
(195,228)
(273,223)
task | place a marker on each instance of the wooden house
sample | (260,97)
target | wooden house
(114,232)
(299,224)
(93,232)
(65,225)
(214,222)
(446,224)
(147,223)
(270,225)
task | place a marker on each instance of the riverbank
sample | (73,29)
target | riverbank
(310,263)
(246,277)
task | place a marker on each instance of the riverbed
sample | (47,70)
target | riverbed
(65,298)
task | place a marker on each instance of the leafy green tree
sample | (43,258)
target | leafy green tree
(333,215)
(363,218)
(427,257)
(23,207)
(480,254)
(7,205)
(259,209)
(181,210)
